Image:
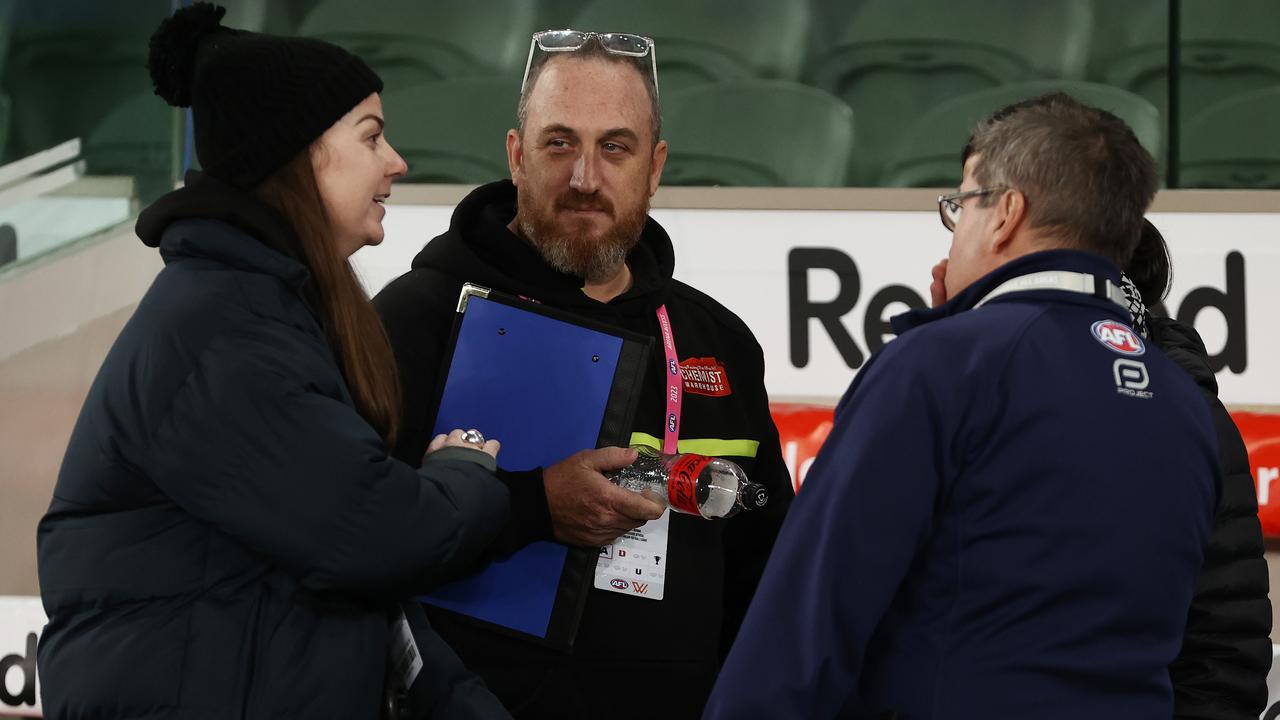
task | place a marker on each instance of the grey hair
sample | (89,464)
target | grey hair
(1084,173)
(593,50)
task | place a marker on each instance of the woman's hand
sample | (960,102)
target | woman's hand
(456,439)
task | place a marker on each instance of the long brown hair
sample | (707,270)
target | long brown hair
(354,331)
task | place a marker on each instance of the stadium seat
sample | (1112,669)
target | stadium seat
(276,17)
(896,59)
(769,133)
(7,8)
(1233,144)
(711,41)
(557,14)
(138,138)
(830,19)
(453,131)
(71,62)
(411,41)
(6,107)
(1114,26)
(1228,47)
(928,153)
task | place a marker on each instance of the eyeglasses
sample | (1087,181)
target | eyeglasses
(572,40)
(950,206)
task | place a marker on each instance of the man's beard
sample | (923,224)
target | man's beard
(568,251)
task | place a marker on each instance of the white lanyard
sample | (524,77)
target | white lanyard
(1084,283)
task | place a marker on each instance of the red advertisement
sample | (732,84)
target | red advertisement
(802,429)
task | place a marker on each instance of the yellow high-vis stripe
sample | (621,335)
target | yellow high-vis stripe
(713,447)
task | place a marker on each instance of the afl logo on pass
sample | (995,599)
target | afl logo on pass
(1118,337)
(619,583)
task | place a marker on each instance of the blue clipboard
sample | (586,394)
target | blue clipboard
(547,384)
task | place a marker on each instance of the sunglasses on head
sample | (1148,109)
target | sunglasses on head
(572,40)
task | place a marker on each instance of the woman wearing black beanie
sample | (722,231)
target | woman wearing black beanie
(228,535)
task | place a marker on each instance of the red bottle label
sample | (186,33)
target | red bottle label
(682,482)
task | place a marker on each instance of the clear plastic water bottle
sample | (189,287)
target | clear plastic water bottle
(693,484)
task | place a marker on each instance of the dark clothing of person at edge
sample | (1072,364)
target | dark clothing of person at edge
(228,536)
(1221,671)
(633,657)
(1006,521)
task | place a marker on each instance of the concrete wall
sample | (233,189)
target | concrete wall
(58,317)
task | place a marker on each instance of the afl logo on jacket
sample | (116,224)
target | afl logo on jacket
(1119,337)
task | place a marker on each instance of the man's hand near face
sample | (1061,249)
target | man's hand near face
(938,288)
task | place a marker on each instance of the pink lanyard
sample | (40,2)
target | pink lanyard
(671,429)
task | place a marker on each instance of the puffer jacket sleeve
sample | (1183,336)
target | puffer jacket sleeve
(1221,671)
(252,446)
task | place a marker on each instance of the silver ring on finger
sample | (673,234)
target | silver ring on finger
(473,437)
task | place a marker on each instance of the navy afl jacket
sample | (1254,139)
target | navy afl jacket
(1006,521)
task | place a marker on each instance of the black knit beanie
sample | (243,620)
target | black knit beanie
(256,100)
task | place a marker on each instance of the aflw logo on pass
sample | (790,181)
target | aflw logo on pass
(1118,337)
(705,376)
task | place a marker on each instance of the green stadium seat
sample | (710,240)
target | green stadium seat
(276,17)
(1114,26)
(557,14)
(896,59)
(139,138)
(830,21)
(6,107)
(453,131)
(928,153)
(1228,47)
(71,63)
(713,40)
(1233,144)
(7,9)
(411,41)
(763,133)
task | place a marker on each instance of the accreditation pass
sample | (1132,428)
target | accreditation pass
(636,563)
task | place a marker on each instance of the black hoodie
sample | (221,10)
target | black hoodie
(633,656)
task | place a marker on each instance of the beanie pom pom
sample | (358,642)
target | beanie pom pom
(173,46)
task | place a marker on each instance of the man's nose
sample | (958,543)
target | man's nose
(586,174)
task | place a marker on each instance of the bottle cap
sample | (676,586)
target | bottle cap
(754,496)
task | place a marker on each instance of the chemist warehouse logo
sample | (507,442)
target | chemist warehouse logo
(705,376)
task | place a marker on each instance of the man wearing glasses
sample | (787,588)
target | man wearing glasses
(571,230)
(1008,516)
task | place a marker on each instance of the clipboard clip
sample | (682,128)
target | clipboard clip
(468,291)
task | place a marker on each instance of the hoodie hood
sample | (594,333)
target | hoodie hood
(480,248)
(192,222)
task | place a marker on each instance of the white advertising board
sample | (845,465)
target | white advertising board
(818,286)
(22,620)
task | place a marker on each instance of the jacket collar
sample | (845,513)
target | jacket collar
(207,218)
(1070,260)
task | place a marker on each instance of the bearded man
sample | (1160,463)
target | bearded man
(571,230)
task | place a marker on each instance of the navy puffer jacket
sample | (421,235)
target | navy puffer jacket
(228,536)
